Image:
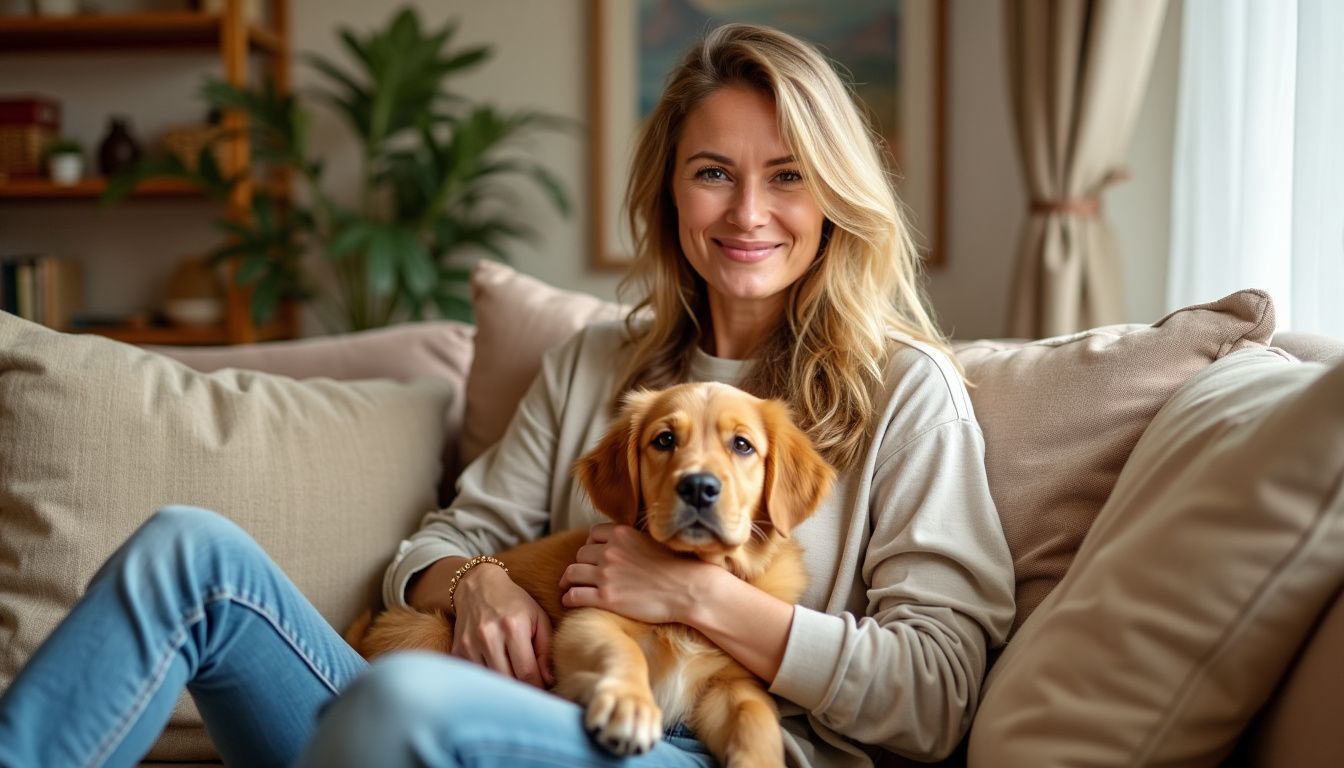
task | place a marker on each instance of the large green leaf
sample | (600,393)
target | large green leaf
(382,260)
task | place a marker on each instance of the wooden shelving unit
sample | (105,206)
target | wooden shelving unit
(233,38)
(178,29)
(38,188)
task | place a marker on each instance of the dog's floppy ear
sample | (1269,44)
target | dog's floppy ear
(610,471)
(797,478)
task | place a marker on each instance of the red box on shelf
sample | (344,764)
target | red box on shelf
(31,111)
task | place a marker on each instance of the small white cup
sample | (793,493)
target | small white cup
(66,168)
(56,7)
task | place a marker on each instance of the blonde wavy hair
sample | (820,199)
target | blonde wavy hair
(828,356)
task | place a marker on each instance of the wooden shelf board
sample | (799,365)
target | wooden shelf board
(39,188)
(184,335)
(164,29)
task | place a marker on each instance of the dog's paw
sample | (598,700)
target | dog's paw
(624,721)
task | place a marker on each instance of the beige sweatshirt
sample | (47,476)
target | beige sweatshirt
(911,579)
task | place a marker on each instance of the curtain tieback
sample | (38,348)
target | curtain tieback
(1081,206)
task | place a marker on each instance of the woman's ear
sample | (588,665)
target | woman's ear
(797,478)
(610,471)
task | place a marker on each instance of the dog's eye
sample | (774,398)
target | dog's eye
(665,441)
(741,446)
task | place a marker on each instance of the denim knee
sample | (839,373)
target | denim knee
(398,713)
(177,533)
(401,687)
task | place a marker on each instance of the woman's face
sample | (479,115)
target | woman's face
(747,223)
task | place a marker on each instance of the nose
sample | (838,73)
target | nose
(750,209)
(699,489)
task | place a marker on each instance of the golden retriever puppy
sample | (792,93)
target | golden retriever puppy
(707,470)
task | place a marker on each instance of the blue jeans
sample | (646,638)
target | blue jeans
(190,601)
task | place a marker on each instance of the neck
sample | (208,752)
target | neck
(738,329)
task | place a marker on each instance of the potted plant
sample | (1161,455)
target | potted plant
(65,161)
(428,193)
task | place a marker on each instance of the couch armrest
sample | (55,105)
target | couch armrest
(1312,347)
(1300,724)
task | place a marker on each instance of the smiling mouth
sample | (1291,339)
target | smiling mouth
(743,251)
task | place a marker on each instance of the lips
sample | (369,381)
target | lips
(745,251)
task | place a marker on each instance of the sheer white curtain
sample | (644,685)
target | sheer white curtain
(1258,183)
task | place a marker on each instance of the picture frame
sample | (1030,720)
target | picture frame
(914,134)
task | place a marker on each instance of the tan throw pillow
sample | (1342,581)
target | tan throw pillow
(96,435)
(1061,415)
(405,352)
(1215,555)
(518,318)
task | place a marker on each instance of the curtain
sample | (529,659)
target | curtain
(1258,176)
(1077,72)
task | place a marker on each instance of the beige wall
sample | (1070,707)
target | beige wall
(538,63)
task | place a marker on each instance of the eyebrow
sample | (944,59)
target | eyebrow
(705,155)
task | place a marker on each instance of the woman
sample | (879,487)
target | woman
(774,256)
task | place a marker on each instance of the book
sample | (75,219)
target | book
(42,288)
(60,291)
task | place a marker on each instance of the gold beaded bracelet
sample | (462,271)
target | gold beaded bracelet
(460,572)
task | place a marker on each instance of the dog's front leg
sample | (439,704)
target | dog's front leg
(738,721)
(600,665)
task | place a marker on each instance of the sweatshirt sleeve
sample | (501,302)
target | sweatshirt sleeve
(503,497)
(906,674)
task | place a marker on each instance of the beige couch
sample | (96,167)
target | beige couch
(1202,626)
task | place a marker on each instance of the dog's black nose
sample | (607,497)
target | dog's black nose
(700,489)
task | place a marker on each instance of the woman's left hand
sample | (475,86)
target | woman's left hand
(625,571)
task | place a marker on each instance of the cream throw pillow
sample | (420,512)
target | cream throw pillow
(1061,415)
(1216,553)
(96,435)
(405,352)
(518,318)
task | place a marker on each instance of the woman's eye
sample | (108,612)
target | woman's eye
(711,173)
(789,177)
(665,441)
(741,446)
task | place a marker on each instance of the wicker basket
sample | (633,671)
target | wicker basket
(22,147)
(186,141)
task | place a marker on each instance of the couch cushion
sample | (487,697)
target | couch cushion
(1215,555)
(441,350)
(518,318)
(1061,415)
(95,435)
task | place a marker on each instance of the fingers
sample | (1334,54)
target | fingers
(600,533)
(506,648)
(541,645)
(484,646)
(523,657)
(578,574)
(579,597)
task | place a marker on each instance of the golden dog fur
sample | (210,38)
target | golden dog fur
(635,678)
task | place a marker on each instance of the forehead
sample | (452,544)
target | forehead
(736,121)
(712,408)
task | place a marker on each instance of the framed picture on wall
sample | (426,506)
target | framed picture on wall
(893,51)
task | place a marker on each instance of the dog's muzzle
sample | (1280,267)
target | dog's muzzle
(698,516)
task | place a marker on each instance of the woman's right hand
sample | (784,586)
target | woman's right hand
(500,626)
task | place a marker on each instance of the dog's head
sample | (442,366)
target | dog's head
(706,469)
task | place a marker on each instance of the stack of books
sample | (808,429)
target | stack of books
(44,289)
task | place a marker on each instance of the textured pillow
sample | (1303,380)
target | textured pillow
(518,318)
(1061,415)
(96,435)
(401,352)
(1212,560)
